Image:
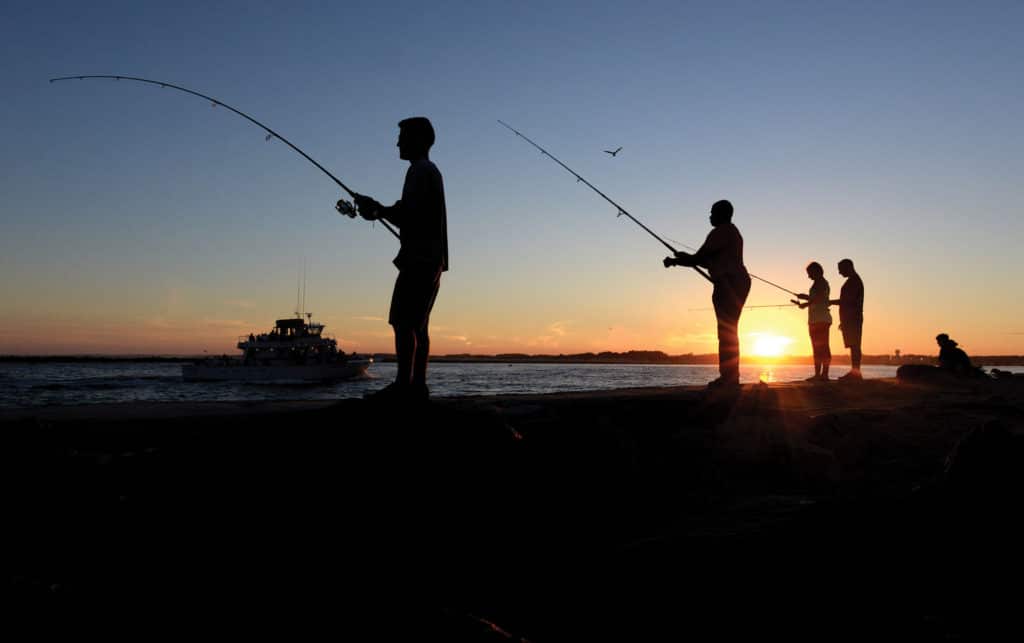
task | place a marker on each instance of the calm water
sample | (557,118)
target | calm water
(23,385)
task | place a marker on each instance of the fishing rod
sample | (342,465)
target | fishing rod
(622,211)
(343,207)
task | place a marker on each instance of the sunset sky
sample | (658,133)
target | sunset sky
(140,220)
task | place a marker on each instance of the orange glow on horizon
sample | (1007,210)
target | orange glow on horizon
(769,345)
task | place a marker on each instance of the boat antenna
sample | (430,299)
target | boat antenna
(304,270)
(348,211)
(298,291)
(622,211)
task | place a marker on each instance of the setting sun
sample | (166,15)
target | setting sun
(766,345)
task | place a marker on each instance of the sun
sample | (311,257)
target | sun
(766,345)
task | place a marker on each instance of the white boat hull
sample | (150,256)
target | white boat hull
(276,373)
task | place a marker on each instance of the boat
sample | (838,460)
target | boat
(295,350)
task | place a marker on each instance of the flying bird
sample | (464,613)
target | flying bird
(613,153)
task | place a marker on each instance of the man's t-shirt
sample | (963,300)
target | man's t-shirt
(722,252)
(422,219)
(851,301)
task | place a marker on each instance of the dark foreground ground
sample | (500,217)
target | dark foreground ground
(877,509)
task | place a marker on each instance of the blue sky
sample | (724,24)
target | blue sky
(887,132)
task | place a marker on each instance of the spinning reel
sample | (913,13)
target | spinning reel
(350,210)
(347,208)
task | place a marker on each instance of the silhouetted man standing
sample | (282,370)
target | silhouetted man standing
(421,217)
(722,255)
(851,315)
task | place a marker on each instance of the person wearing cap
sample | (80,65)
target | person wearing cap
(421,217)
(722,255)
(851,316)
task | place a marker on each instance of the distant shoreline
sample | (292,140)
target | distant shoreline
(637,358)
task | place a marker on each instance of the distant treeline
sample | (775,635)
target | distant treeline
(606,357)
(659,357)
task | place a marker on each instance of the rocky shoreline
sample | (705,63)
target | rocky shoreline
(795,509)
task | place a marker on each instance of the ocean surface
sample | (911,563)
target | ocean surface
(47,384)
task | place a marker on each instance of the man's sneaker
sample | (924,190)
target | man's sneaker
(852,375)
(419,393)
(813,378)
(392,392)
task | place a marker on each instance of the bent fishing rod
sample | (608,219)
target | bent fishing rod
(343,207)
(623,211)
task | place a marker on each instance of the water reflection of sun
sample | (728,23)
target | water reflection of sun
(767,345)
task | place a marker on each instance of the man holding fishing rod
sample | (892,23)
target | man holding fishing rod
(421,217)
(722,255)
(420,214)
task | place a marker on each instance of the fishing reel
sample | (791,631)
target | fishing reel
(351,210)
(346,208)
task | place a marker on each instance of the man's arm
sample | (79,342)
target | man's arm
(849,295)
(702,257)
(393,213)
(371,210)
(680,259)
(816,298)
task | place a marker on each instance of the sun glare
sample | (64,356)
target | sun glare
(770,345)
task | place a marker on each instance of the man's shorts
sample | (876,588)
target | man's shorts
(413,298)
(852,333)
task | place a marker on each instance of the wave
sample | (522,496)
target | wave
(113,382)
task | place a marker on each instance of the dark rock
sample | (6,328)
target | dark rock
(985,464)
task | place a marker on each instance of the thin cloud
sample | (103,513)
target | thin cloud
(543,341)
(559,328)
(225,323)
(369,318)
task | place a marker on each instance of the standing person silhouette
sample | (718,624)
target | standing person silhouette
(819,320)
(722,255)
(421,217)
(851,315)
